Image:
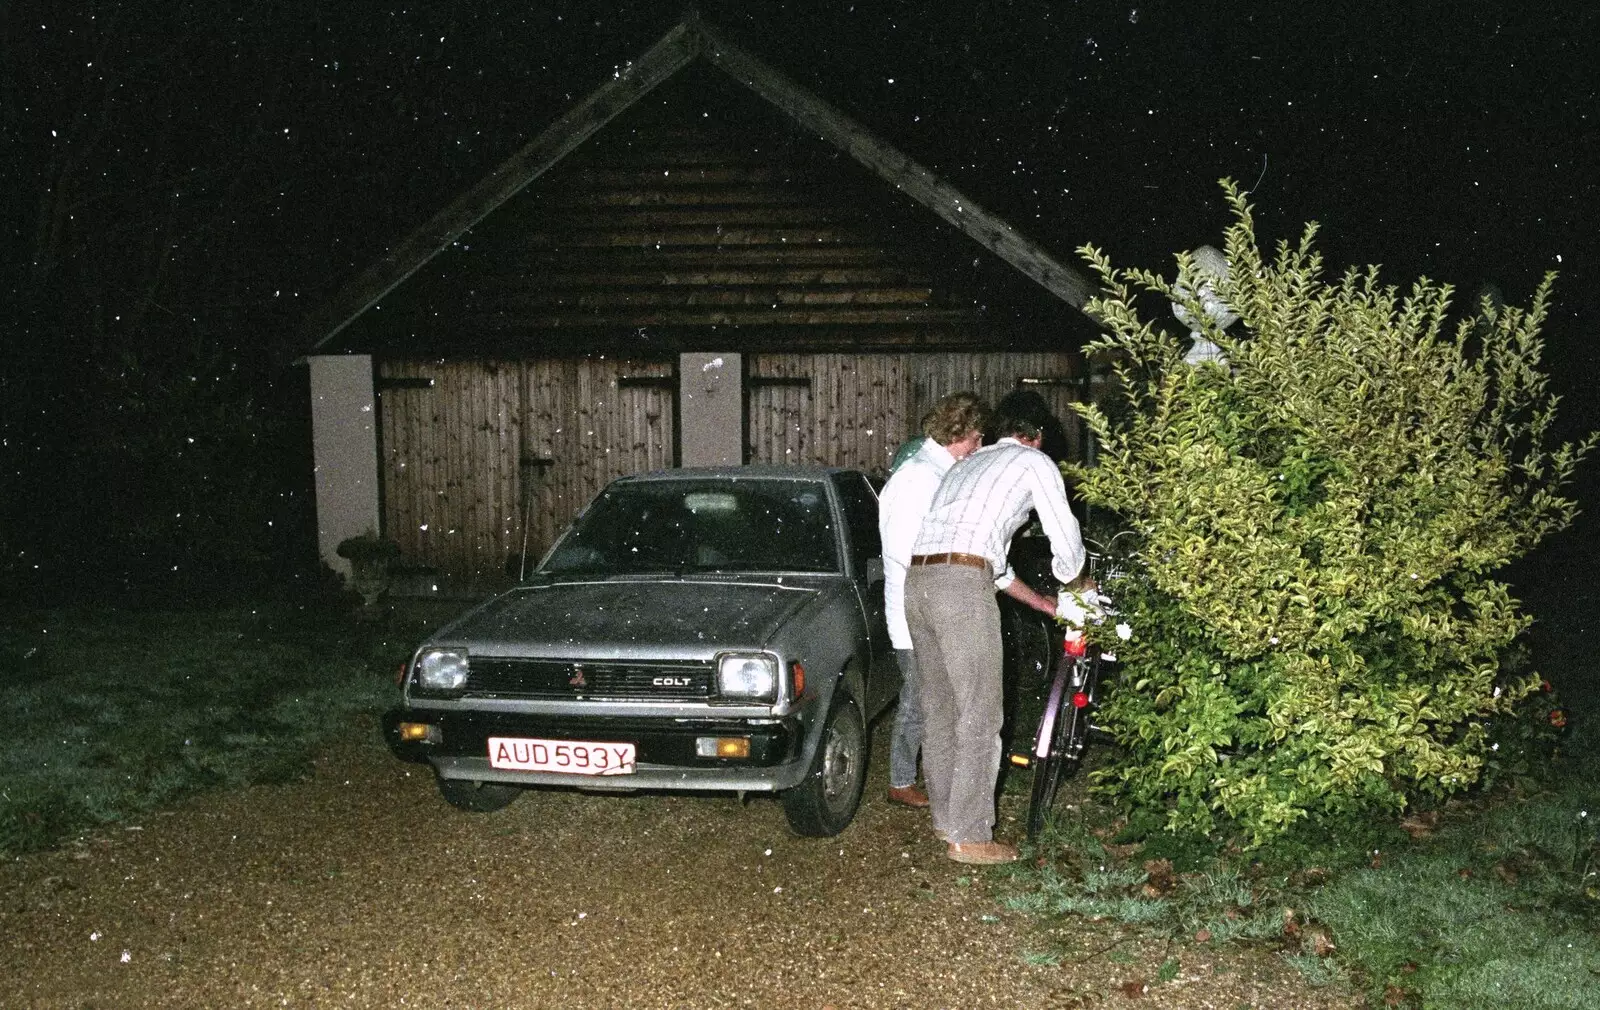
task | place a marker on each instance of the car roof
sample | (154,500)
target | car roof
(761,471)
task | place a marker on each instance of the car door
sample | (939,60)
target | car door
(860,503)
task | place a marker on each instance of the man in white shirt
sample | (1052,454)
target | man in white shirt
(958,562)
(952,430)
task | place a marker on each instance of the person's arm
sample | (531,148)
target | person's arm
(1027,595)
(1067,555)
(901,508)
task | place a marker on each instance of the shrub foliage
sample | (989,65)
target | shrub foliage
(1316,525)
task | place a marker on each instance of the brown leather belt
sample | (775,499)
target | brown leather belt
(954,558)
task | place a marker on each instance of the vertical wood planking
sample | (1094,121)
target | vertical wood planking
(861,406)
(451,454)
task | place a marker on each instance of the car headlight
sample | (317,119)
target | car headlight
(753,677)
(441,670)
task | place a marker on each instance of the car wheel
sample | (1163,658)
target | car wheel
(477,797)
(825,802)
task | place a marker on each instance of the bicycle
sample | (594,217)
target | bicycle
(1062,735)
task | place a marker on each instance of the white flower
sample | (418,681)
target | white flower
(1124,631)
(127,956)
(1273,640)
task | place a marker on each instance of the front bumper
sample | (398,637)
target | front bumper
(458,748)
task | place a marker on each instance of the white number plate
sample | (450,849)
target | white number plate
(574,757)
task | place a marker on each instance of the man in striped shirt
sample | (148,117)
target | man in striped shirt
(958,562)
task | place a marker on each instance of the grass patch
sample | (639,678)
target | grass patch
(1491,902)
(115,712)
(1499,908)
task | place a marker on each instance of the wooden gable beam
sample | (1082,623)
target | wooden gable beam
(911,178)
(676,49)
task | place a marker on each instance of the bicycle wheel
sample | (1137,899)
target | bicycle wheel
(1029,644)
(1045,756)
(1062,737)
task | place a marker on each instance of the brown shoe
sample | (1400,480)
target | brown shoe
(982,853)
(908,796)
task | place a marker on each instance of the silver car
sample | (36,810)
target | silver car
(696,629)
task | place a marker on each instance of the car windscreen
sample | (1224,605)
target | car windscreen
(747,524)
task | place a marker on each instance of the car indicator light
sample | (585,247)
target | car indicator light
(1080,700)
(722,746)
(418,732)
(799,680)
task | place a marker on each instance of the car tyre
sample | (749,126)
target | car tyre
(477,797)
(825,803)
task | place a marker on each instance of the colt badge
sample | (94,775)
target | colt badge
(576,680)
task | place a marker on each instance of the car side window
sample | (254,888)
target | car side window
(860,518)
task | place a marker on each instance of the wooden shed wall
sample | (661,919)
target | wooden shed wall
(857,408)
(496,457)
(496,454)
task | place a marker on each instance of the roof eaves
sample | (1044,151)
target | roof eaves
(689,39)
(676,49)
(896,168)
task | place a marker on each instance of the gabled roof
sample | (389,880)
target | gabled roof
(690,40)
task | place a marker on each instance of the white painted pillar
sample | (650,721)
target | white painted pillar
(711,409)
(344,438)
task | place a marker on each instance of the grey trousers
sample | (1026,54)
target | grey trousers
(955,630)
(906,743)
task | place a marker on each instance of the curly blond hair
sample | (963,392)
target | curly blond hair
(954,416)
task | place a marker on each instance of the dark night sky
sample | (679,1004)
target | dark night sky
(231,164)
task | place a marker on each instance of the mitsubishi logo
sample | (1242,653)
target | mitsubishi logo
(576,680)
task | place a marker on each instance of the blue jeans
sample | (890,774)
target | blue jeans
(907,740)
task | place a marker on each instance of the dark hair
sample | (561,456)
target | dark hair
(1022,413)
(954,416)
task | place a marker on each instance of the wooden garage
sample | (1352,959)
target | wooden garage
(699,263)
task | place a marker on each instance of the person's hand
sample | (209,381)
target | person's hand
(1083,584)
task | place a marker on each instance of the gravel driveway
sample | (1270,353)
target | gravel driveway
(359,887)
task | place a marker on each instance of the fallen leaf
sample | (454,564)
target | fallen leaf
(1291,924)
(1420,825)
(1134,988)
(1319,941)
(1159,872)
(1202,936)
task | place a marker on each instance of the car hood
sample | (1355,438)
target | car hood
(624,619)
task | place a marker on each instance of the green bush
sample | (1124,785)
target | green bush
(1316,526)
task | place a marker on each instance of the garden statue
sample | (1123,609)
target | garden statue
(369,556)
(1209,262)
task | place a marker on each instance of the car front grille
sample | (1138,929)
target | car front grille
(544,678)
